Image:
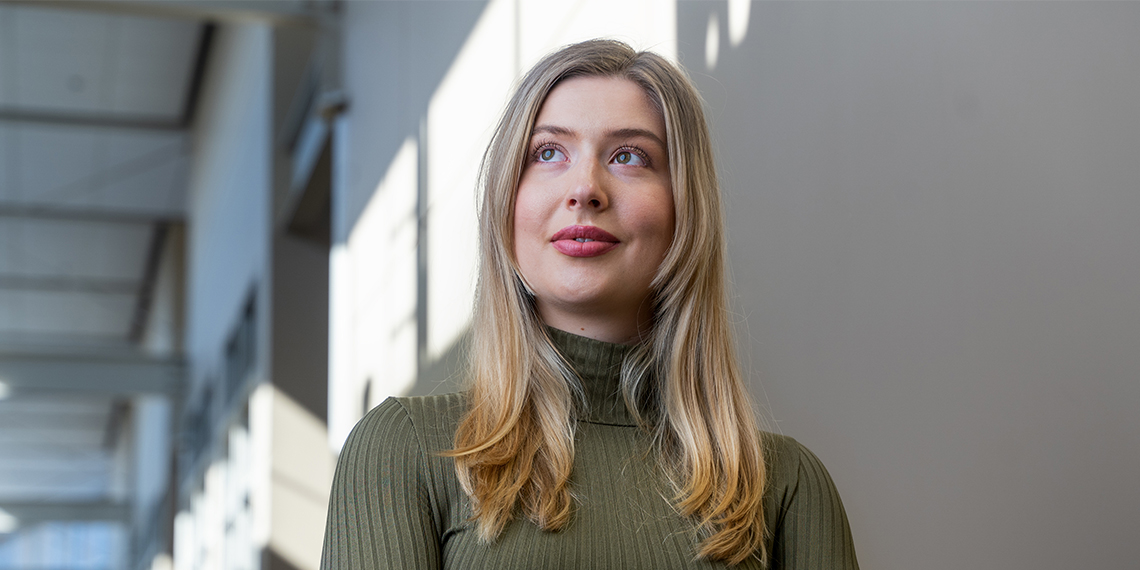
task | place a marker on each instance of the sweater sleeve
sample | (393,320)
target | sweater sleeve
(812,531)
(380,509)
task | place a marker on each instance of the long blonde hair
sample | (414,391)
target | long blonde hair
(514,448)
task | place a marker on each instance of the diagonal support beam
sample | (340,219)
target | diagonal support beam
(93,375)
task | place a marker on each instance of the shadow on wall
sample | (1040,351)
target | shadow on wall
(270,560)
(444,374)
(398,56)
(408,56)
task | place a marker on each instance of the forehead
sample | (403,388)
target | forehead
(600,104)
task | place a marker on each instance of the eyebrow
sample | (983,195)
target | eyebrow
(614,134)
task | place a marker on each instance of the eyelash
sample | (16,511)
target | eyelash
(635,150)
(543,145)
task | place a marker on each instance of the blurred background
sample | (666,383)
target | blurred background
(228,229)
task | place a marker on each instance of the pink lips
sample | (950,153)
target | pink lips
(583,241)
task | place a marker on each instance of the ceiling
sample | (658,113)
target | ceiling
(94,158)
(93,152)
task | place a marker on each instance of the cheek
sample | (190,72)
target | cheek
(524,216)
(527,222)
(655,219)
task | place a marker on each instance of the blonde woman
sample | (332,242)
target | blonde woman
(607,424)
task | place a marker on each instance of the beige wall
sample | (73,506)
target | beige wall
(933,219)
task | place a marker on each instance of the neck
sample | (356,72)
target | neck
(605,324)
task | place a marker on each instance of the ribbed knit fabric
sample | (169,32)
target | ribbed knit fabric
(396,504)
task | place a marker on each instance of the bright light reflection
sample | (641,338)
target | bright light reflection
(738,12)
(712,42)
(4,390)
(8,523)
(162,562)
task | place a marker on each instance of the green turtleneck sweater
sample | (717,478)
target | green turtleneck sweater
(396,504)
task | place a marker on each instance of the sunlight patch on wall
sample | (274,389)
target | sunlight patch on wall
(373,281)
(461,118)
(738,13)
(301,476)
(712,42)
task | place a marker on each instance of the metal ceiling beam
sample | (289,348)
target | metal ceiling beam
(150,282)
(92,375)
(55,344)
(289,12)
(60,284)
(84,214)
(198,73)
(21,115)
(35,512)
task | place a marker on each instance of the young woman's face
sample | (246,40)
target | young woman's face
(594,211)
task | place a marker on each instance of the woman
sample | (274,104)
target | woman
(607,424)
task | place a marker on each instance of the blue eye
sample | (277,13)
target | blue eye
(629,158)
(550,154)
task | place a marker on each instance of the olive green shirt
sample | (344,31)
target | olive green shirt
(396,504)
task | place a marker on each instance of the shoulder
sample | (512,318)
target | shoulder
(793,468)
(432,412)
(400,442)
(426,423)
(786,456)
(392,492)
(808,523)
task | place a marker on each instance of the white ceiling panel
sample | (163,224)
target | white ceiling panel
(24,467)
(7,48)
(69,449)
(51,163)
(8,172)
(91,439)
(158,189)
(59,59)
(41,477)
(77,249)
(24,342)
(40,412)
(52,483)
(47,438)
(107,169)
(53,447)
(153,66)
(96,64)
(54,427)
(65,314)
(125,146)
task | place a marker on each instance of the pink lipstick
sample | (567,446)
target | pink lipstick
(583,241)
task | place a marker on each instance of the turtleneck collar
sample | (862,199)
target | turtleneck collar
(598,365)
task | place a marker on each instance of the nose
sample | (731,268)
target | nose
(589,189)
